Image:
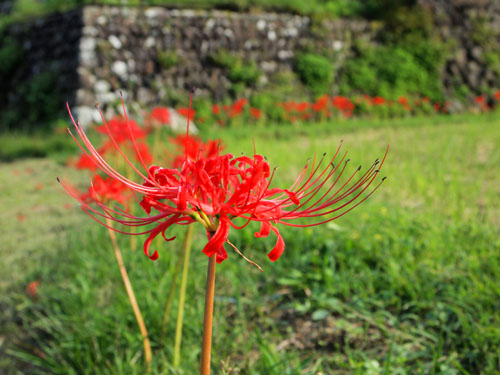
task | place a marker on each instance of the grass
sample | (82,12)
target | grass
(405,284)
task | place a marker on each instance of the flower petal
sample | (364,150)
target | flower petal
(218,239)
(221,255)
(265,229)
(278,249)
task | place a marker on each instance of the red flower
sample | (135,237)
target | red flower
(187,112)
(32,289)
(215,109)
(106,190)
(496,95)
(378,100)
(236,108)
(121,130)
(160,115)
(222,192)
(343,104)
(142,152)
(85,162)
(480,99)
(321,104)
(255,113)
(403,101)
(193,147)
(302,106)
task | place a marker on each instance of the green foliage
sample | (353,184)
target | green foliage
(315,71)
(404,284)
(239,70)
(408,63)
(168,59)
(267,103)
(11,54)
(393,71)
(40,105)
(14,146)
(488,39)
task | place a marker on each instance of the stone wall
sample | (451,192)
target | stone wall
(95,52)
(473,27)
(120,49)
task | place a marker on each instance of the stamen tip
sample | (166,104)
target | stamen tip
(384,178)
(193,89)
(359,168)
(58,180)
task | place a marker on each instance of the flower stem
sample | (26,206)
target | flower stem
(131,296)
(170,296)
(209,312)
(182,296)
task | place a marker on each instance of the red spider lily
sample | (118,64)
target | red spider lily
(321,104)
(215,109)
(106,190)
(160,115)
(426,100)
(378,100)
(217,190)
(122,129)
(480,99)
(192,147)
(32,289)
(496,95)
(403,101)
(343,104)
(255,113)
(236,108)
(187,112)
(85,162)
(142,152)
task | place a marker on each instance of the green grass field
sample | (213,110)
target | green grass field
(407,283)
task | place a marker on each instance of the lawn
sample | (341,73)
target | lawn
(407,283)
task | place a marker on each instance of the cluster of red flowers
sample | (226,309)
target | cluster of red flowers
(323,108)
(219,191)
(122,131)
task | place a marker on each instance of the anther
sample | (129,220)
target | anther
(193,89)
(359,168)
(384,178)
(58,180)
(377,170)
(347,161)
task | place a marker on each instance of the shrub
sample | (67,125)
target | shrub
(39,106)
(11,54)
(168,59)
(315,71)
(392,71)
(238,70)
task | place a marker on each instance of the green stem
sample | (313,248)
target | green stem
(170,297)
(182,297)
